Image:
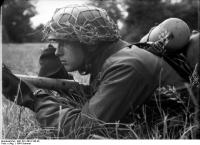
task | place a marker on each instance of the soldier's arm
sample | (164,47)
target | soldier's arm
(121,87)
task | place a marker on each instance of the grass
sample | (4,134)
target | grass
(22,59)
(175,118)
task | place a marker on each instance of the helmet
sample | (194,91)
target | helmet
(83,23)
(177,27)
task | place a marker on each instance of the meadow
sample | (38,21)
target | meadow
(21,59)
(20,122)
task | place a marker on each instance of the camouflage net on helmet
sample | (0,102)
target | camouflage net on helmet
(86,24)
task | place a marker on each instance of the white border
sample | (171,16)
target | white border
(1,118)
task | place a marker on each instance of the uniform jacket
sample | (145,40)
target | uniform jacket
(122,76)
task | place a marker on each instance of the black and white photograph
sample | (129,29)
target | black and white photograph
(100,70)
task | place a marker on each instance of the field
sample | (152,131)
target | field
(21,59)
(20,122)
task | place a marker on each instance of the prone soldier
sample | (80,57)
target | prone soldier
(122,75)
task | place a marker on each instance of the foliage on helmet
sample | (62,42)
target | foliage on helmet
(83,23)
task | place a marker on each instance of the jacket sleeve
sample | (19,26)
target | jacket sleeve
(61,113)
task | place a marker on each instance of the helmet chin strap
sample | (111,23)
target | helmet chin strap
(91,52)
(86,66)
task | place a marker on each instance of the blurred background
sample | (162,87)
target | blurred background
(23,20)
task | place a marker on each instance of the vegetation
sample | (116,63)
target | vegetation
(17,26)
(145,14)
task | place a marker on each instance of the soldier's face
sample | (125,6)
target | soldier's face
(71,55)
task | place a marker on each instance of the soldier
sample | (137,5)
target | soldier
(123,76)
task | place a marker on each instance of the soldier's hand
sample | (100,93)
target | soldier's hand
(9,83)
(50,65)
(17,90)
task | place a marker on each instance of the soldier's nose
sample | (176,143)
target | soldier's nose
(59,51)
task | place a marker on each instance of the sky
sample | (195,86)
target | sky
(46,8)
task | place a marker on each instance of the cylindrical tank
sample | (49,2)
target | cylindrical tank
(193,49)
(177,27)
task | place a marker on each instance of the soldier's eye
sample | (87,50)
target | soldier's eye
(54,43)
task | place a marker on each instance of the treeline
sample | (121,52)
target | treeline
(16,23)
(142,16)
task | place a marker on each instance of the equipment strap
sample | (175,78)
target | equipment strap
(177,61)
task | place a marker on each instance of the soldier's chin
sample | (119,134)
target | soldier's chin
(69,68)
